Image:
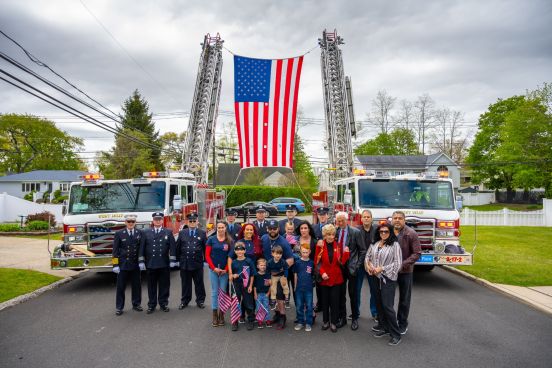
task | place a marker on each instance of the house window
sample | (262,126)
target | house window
(64,187)
(30,187)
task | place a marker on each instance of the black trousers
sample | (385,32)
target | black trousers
(330,302)
(350,284)
(135,282)
(159,284)
(405,292)
(385,299)
(247,300)
(186,277)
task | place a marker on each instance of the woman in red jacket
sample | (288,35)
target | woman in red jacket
(329,258)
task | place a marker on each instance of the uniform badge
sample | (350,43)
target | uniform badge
(225,247)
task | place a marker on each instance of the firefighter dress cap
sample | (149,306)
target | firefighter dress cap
(261,208)
(192,216)
(157,215)
(232,212)
(272,224)
(291,207)
(131,217)
(322,210)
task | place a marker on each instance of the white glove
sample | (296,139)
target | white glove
(116,269)
(142,266)
(174,264)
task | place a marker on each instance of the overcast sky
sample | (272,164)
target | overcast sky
(464,54)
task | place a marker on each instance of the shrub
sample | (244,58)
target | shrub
(42,216)
(244,193)
(46,197)
(9,227)
(29,196)
(37,225)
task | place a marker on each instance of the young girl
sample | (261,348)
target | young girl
(242,275)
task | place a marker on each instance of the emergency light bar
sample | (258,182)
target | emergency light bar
(91,176)
(154,174)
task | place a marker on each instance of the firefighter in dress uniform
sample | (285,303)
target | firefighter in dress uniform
(159,253)
(233,227)
(291,212)
(260,223)
(190,253)
(126,247)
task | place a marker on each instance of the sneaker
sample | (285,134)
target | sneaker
(241,320)
(268,324)
(377,328)
(381,334)
(308,328)
(394,341)
(403,331)
(287,303)
(298,327)
(250,326)
(234,326)
(272,304)
(260,325)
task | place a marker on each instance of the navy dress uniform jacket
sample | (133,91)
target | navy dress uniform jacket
(158,250)
(126,249)
(318,230)
(190,250)
(236,228)
(282,225)
(261,230)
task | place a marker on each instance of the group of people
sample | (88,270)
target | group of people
(267,263)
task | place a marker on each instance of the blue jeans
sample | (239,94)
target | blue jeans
(361,275)
(304,302)
(263,299)
(216,283)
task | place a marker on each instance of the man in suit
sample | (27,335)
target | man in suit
(159,254)
(291,212)
(348,236)
(190,250)
(323,215)
(260,223)
(127,264)
(368,231)
(233,227)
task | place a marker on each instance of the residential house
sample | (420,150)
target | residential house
(39,181)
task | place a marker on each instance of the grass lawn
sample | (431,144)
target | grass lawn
(510,255)
(510,206)
(17,282)
(55,237)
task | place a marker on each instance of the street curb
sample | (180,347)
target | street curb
(33,294)
(497,288)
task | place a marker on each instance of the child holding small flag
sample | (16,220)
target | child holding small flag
(262,291)
(242,274)
(303,289)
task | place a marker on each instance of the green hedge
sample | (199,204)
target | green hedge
(9,227)
(241,194)
(37,225)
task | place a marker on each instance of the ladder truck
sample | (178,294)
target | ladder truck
(427,199)
(96,208)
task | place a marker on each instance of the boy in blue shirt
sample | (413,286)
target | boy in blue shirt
(277,267)
(303,289)
(242,275)
(261,291)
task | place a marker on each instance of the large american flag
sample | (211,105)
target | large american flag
(265,94)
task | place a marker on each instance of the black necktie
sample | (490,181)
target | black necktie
(231,227)
(192,233)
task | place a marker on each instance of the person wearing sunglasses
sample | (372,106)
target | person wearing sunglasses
(383,261)
(127,264)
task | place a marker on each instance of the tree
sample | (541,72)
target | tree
(254,176)
(137,117)
(301,165)
(400,141)
(448,136)
(173,147)
(424,118)
(381,110)
(486,165)
(30,143)
(127,159)
(406,117)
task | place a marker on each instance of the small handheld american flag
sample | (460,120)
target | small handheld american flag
(224,301)
(261,313)
(235,311)
(245,273)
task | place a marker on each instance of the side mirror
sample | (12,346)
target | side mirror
(458,203)
(64,208)
(348,197)
(177,203)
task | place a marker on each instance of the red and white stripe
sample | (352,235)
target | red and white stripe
(266,130)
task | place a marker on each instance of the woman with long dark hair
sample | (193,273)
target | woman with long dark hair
(383,262)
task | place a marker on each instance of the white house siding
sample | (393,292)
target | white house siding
(11,207)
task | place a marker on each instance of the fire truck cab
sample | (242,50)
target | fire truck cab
(96,209)
(427,200)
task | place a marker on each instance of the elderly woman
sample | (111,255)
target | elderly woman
(383,262)
(328,259)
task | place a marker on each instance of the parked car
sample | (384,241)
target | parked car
(252,208)
(282,202)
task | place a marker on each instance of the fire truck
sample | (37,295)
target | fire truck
(96,209)
(427,199)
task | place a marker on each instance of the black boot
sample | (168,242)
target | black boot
(276,318)
(282,323)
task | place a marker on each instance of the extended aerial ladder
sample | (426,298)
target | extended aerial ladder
(204,111)
(338,107)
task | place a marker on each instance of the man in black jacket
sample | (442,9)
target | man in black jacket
(260,223)
(348,236)
(368,231)
(190,251)
(127,265)
(233,227)
(291,212)
(323,214)
(159,253)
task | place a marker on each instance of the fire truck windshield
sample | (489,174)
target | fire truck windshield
(117,197)
(406,194)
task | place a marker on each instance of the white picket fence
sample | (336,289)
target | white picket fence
(506,217)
